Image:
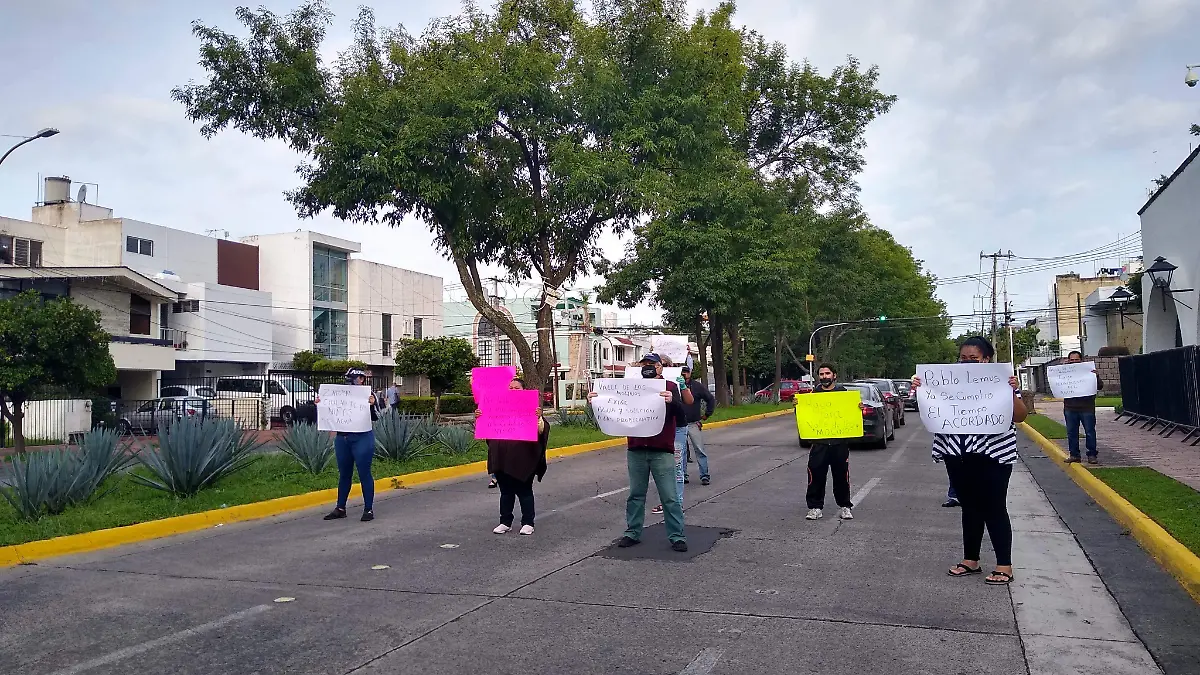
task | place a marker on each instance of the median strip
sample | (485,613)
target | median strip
(165,527)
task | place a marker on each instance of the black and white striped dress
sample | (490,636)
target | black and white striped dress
(1000,447)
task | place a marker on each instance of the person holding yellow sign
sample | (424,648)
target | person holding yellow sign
(826,421)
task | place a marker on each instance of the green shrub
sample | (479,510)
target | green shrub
(192,455)
(48,482)
(402,437)
(456,440)
(312,449)
(581,418)
(452,404)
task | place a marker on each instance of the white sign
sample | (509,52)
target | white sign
(632,408)
(965,398)
(1073,380)
(341,407)
(674,347)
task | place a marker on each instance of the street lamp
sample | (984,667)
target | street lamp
(1161,273)
(44,133)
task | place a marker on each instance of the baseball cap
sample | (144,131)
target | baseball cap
(650,358)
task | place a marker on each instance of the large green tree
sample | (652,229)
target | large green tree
(444,360)
(47,345)
(518,136)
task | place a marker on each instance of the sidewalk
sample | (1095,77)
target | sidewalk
(1124,445)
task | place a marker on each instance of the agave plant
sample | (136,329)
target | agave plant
(312,449)
(401,437)
(193,454)
(456,440)
(50,481)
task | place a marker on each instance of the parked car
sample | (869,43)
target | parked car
(787,390)
(890,396)
(152,416)
(877,417)
(186,391)
(907,393)
(283,394)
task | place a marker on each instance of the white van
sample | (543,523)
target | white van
(283,394)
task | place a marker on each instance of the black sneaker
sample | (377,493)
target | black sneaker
(626,542)
(704,480)
(336,514)
(1073,459)
(679,546)
(686,480)
(950,503)
(368,516)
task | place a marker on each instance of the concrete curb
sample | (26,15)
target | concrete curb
(156,529)
(1174,557)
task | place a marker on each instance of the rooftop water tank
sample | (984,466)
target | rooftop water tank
(58,189)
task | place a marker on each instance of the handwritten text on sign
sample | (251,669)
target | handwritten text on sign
(1072,380)
(829,415)
(629,407)
(508,415)
(342,407)
(965,398)
(489,378)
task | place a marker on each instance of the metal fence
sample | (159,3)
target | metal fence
(1162,388)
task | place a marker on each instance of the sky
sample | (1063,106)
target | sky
(1022,125)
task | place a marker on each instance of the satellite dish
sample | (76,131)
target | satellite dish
(82,196)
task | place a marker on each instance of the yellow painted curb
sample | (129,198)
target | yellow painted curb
(192,522)
(1172,555)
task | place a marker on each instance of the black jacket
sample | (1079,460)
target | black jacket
(701,394)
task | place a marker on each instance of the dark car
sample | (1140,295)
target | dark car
(907,393)
(878,428)
(787,390)
(890,396)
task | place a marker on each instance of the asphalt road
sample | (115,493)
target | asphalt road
(773,594)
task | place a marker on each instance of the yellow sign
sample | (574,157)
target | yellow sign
(810,358)
(829,415)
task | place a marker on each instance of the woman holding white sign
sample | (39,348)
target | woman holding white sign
(514,465)
(980,466)
(355,449)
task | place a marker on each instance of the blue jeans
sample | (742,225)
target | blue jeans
(642,464)
(355,450)
(680,460)
(1073,419)
(695,443)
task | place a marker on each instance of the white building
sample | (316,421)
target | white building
(1171,251)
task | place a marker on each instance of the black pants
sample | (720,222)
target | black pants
(511,490)
(822,458)
(981,484)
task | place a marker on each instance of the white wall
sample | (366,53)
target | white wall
(233,324)
(375,290)
(193,257)
(1170,225)
(285,271)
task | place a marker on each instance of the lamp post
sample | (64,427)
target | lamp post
(44,133)
(1161,273)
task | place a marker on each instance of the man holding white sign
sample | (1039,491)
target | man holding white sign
(1077,383)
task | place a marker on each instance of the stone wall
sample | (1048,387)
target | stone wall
(1110,375)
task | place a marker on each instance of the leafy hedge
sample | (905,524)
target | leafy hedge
(452,404)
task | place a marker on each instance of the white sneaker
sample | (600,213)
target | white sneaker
(502,529)
(526,529)
(814,514)
(846,514)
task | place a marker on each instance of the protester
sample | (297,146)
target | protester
(393,397)
(1081,410)
(513,465)
(355,449)
(680,435)
(696,415)
(832,456)
(980,466)
(653,456)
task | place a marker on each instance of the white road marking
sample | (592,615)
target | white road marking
(586,500)
(865,490)
(127,652)
(609,493)
(703,663)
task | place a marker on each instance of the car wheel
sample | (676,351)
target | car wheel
(901,419)
(891,436)
(882,444)
(287,415)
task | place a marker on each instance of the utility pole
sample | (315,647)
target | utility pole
(995,268)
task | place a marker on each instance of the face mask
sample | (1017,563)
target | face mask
(826,381)
(649,371)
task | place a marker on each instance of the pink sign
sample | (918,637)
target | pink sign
(496,377)
(508,415)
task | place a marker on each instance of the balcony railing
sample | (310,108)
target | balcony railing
(177,338)
(168,337)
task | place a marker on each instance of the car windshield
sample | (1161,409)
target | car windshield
(902,386)
(864,391)
(296,386)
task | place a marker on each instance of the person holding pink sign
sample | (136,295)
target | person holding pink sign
(515,463)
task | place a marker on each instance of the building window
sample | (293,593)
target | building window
(139,315)
(330,332)
(418,329)
(503,353)
(139,246)
(330,268)
(484,352)
(486,328)
(387,334)
(20,251)
(185,306)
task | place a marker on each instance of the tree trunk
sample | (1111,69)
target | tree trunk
(16,418)
(778,363)
(437,407)
(720,377)
(732,328)
(705,377)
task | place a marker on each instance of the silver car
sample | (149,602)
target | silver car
(151,416)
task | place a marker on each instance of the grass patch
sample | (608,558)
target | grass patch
(1047,427)
(747,410)
(1171,504)
(1108,401)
